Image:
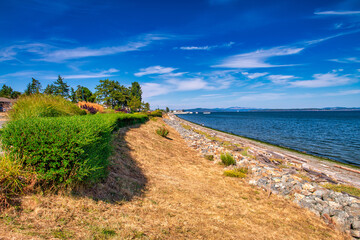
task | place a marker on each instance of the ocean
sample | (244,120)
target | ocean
(330,134)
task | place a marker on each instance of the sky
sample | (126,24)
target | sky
(190,53)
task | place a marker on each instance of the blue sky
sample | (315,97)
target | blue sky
(185,54)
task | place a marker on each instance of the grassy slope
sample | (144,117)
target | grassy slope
(185,197)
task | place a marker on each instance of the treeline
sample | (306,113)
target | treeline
(109,92)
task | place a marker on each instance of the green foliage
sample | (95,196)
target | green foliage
(61,88)
(209,157)
(42,105)
(135,91)
(162,132)
(8,92)
(13,179)
(156,113)
(167,110)
(33,88)
(238,172)
(227,159)
(112,93)
(145,107)
(50,89)
(135,103)
(65,150)
(343,188)
(81,94)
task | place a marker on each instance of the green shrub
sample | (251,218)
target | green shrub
(13,179)
(156,113)
(209,157)
(238,172)
(162,132)
(43,105)
(227,159)
(65,150)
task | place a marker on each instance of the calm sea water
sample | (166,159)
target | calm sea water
(334,135)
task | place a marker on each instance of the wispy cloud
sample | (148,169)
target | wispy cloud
(258,59)
(324,80)
(344,93)
(254,75)
(102,74)
(337,13)
(346,60)
(280,79)
(261,97)
(225,45)
(52,53)
(155,70)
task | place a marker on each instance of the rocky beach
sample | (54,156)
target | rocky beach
(299,178)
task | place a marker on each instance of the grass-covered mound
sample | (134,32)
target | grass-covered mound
(65,150)
(43,105)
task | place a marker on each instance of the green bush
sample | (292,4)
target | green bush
(43,105)
(238,172)
(156,113)
(65,150)
(227,159)
(162,132)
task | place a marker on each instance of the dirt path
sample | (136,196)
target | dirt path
(184,197)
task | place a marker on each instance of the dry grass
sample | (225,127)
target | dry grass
(185,197)
(96,106)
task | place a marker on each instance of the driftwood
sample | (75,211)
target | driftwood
(320,176)
(348,169)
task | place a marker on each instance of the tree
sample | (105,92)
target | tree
(83,94)
(33,88)
(50,89)
(135,104)
(112,93)
(61,87)
(167,110)
(6,91)
(145,106)
(15,94)
(135,90)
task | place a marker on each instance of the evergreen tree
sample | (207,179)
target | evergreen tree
(62,88)
(33,88)
(6,91)
(135,103)
(112,93)
(135,90)
(50,89)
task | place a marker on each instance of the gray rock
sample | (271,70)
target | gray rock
(355,233)
(355,224)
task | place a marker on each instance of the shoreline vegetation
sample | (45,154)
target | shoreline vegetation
(112,169)
(159,188)
(320,158)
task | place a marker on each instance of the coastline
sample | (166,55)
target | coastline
(277,171)
(322,164)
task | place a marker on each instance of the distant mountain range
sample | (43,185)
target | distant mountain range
(243,109)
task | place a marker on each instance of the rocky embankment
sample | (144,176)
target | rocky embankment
(279,174)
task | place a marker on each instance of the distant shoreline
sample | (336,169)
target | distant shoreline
(231,110)
(304,154)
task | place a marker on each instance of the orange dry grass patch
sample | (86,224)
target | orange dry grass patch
(98,107)
(170,192)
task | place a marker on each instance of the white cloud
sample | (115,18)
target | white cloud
(155,70)
(346,60)
(324,80)
(258,58)
(107,73)
(154,89)
(188,85)
(343,93)
(50,53)
(225,45)
(254,75)
(10,53)
(337,13)
(280,79)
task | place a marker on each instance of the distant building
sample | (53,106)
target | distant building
(5,104)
